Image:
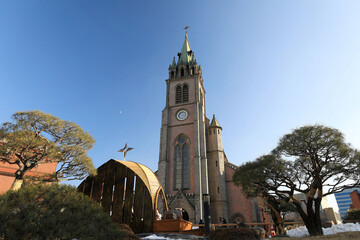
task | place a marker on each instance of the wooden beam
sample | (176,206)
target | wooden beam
(118,203)
(139,205)
(129,193)
(108,186)
(88,186)
(98,186)
(148,213)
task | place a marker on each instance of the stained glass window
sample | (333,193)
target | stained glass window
(182,164)
(178,167)
(185,163)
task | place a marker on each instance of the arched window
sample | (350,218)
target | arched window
(185,95)
(172,74)
(178,94)
(182,72)
(182,164)
(182,94)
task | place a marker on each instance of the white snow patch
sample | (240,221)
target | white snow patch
(153,236)
(348,227)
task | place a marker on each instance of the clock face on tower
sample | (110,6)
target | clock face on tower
(182,115)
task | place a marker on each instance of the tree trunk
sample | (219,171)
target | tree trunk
(18,180)
(278,220)
(17,184)
(311,219)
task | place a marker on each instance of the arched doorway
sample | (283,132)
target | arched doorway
(185,215)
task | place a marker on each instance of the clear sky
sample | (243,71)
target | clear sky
(268,67)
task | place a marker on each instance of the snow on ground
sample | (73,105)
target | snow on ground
(297,232)
(155,237)
(348,227)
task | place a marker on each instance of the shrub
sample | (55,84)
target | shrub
(353,216)
(130,233)
(242,233)
(54,212)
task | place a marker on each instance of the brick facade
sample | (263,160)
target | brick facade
(355,198)
(7,173)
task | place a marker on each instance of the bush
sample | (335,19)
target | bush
(353,216)
(130,233)
(54,212)
(242,233)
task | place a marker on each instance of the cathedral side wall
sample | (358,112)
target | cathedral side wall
(237,201)
(7,173)
(6,182)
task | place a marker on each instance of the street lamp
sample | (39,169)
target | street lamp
(206,198)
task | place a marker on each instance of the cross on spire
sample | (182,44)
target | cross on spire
(186,28)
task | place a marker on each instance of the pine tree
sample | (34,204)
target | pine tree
(54,212)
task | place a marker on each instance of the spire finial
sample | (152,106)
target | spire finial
(186,28)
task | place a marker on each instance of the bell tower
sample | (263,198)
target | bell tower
(182,167)
(216,164)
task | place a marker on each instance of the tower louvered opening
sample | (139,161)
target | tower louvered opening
(185,93)
(178,94)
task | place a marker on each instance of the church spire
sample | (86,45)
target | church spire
(186,55)
(215,123)
(186,64)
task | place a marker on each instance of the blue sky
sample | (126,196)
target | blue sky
(268,67)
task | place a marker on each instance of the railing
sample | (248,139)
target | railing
(233,225)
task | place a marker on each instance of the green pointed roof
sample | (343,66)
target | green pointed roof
(186,55)
(214,122)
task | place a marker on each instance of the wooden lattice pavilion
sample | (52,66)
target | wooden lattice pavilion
(129,192)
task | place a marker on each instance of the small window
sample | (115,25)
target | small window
(219,131)
(172,74)
(218,189)
(182,72)
(216,163)
(214,131)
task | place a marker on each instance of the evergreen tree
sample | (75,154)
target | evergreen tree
(34,138)
(53,212)
(313,160)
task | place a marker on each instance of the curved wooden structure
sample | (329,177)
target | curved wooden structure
(129,192)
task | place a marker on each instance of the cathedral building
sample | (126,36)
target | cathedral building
(192,161)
